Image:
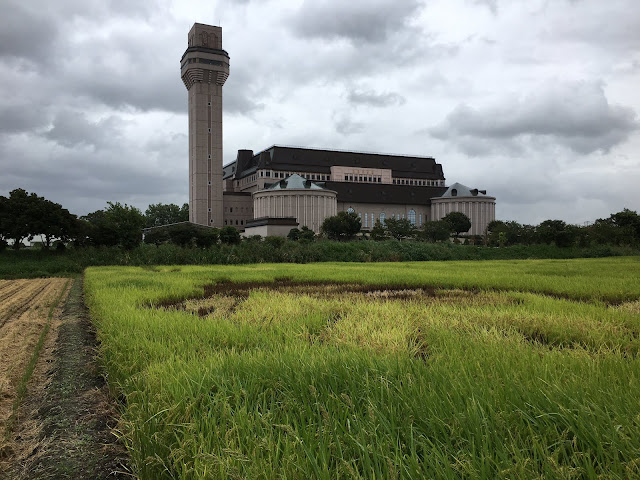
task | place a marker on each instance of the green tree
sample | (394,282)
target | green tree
(116,225)
(17,214)
(399,228)
(627,225)
(378,232)
(51,222)
(459,222)
(207,237)
(436,231)
(157,236)
(159,214)
(294,234)
(548,230)
(509,233)
(183,235)
(306,234)
(230,235)
(343,226)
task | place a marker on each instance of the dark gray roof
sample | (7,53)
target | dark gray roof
(299,159)
(384,193)
(228,170)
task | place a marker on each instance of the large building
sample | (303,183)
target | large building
(278,188)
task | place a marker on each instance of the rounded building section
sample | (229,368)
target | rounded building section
(474,203)
(295,197)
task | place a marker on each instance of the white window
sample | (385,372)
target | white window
(350,210)
(382,218)
(412,216)
(366,220)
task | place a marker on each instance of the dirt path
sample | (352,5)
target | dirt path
(63,428)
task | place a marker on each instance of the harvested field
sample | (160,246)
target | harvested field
(23,317)
(56,414)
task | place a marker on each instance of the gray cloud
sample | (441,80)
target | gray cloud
(373,99)
(71,129)
(370,22)
(576,115)
(344,125)
(27,32)
(610,25)
(20,118)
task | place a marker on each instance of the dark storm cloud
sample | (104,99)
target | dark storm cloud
(83,176)
(577,116)
(20,118)
(370,22)
(373,99)
(27,31)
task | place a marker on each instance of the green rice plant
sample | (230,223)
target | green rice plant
(460,370)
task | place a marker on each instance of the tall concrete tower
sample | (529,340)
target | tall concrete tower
(204,68)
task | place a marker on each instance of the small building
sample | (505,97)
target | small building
(474,203)
(295,197)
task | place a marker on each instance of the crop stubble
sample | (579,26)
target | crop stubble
(23,314)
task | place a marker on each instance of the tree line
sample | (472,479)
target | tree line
(347,226)
(25,216)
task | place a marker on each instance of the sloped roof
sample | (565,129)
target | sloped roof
(294,182)
(460,190)
(320,161)
(350,192)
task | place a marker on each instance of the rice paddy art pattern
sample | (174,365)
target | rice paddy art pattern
(457,370)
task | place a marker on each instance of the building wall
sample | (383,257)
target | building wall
(356,174)
(373,211)
(204,70)
(238,209)
(480,210)
(309,207)
(268,230)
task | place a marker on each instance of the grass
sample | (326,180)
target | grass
(510,369)
(41,263)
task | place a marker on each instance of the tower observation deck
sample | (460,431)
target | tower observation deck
(204,68)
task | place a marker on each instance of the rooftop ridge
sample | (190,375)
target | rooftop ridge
(318,149)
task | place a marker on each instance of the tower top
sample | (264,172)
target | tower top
(207,36)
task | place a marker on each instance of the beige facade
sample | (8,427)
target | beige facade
(204,70)
(238,209)
(308,207)
(358,174)
(370,212)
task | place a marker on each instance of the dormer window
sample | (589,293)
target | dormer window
(454,192)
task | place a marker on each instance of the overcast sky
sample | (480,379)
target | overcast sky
(535,101)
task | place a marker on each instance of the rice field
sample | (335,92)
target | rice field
(504,369)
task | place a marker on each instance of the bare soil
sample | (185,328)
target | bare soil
(63,428)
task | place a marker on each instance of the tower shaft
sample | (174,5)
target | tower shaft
(204,69)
